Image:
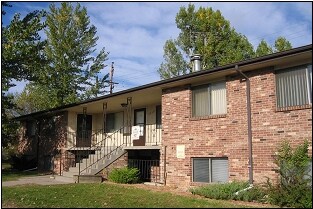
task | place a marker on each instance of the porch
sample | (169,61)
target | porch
(97,137)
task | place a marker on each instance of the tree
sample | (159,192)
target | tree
(263,49)
(294,188)
(208,33)
(205,32)
(70,46)
(21,56)
(174,63)
(281,44)
(33,98)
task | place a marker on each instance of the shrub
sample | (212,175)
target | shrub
(228,191)
(22,162)
(294,188)
(124,175)
(256,193)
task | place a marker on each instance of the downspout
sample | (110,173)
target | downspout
(164,174)
(249,125)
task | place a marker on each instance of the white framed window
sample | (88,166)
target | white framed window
(294,86)
(209,170)
(209,99)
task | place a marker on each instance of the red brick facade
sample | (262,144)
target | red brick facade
(49,140)
(226,135)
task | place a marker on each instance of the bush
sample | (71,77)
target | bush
(294,188)
(22,162)
(228,191)
(124,175)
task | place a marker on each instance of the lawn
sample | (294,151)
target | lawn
(101,195)
(7,174)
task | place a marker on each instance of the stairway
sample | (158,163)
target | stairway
(103,155)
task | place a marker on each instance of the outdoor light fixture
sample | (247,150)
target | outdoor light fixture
(124,104)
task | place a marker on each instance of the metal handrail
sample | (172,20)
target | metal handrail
(105,154)
(109,144)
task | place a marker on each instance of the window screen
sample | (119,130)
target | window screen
(293,86)
(210,170)
(209,99)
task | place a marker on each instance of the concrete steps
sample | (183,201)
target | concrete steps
(96,167)
(68,179)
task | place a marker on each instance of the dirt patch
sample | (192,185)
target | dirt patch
(178,191)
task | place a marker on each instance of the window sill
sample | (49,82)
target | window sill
(299,107)
(208,117)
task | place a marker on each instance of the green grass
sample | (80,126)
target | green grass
(101,195)
(7,174)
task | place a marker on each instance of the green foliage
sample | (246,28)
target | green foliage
(174,64)
(228,191)
(124,175)
(208,33)
(256,193)
(21,57)
(71,41)
(33,98)
(281,44)
(294,188)
(263,49)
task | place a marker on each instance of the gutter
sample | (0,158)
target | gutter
(178,78)
(250,166)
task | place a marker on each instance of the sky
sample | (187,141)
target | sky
(134,33)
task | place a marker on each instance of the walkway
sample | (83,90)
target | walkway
(41,180)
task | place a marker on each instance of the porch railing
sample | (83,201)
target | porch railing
(103,145)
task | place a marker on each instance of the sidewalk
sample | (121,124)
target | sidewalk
(41,180)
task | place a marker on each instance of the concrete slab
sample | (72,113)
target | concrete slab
(40,180)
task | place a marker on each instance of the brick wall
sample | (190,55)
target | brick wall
(49,139)
(226,135)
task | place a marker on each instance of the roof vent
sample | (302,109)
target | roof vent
(196,62)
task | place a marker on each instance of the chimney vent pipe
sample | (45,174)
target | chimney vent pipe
(196,62)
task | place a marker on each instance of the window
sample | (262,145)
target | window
(209,99)
(210,170)
(158,117)
(114,121)
(294,86)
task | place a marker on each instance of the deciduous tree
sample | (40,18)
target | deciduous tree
(73,62)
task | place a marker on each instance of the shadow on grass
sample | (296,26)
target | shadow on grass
(10,174)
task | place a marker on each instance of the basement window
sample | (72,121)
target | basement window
(209,99)
(294,87)
(209,170)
